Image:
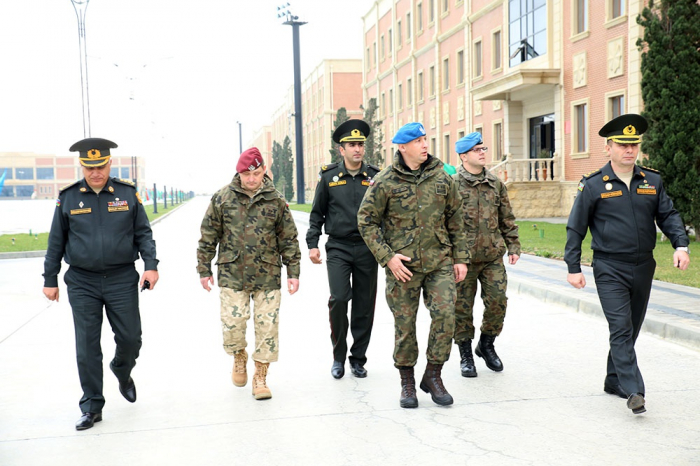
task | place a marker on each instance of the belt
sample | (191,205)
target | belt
(639,258)
(347,239)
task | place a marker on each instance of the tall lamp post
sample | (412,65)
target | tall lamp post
(293,21)
(80,7)
(240,139)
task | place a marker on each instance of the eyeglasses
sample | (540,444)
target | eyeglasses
(481,149)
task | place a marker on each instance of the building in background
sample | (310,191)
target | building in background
(40,176)
(331,85)
(537,78)
(262,139)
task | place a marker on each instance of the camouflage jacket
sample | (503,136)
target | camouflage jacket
(255,237)
(419,216)
(489,222)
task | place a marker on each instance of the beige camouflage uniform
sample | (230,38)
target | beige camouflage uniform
(490,227)
(419,216)
(255,237)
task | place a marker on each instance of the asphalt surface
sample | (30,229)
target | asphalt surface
(546,407)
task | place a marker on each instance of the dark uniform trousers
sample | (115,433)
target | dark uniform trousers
(346,259)
(624,287)
(88,292)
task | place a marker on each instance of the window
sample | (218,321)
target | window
(446,148)
(432,146)
(44,174)
(24,191)
(460,135)
(7,172)
(125,173)
(616,106)
(368,64)
(479,129)
(580,11)
(580,115)
(400,97)
(409,91)
(460,67)
(24,173)
(432,81)
(408,25)
(399,34)
(421,86)
(431,11)
(617,8)
(419,17)
(391,101)
(477,59)
(8,191)
(446,74)
(374,49)
(114,172)
(382,106)
(497,142)
(381,47)
(496,48)
(445,6)
(527,30)
(391,41)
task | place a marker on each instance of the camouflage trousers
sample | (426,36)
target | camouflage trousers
(235,312)
(494,282)
(403,299)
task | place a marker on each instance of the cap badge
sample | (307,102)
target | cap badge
(355,133)
(629,130)
(93,154)
(608,186)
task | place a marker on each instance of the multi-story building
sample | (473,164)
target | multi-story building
(331,85)
(537,78)
(40,176)
(262,139)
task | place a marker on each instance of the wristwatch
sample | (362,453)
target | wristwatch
(683,248)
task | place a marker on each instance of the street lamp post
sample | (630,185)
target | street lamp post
(293,21)
(240,138)
(80,7)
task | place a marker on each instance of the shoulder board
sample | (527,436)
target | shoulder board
(653,170)
(328,167)
(591,174)
(374,167)
(126,182)
(68,186)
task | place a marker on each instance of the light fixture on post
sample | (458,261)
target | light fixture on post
(80,7)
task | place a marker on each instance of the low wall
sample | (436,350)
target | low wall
(542,199)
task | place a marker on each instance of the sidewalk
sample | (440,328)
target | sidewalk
(546,408)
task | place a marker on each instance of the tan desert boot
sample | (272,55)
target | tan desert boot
(260,389)
(239,374)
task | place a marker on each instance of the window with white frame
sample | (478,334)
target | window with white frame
(580,11)
(496,50)
(421,87)
(477,60)
(580,127)
(460,67)
(445,74)
(432,81)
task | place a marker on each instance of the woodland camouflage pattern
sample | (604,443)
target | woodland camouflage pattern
(255,237)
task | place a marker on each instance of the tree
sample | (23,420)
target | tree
(340,117)
(276,163)
(373,144)
(287,168)
(670,76)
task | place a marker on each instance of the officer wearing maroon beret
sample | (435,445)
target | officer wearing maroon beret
(100,228)
(621,204)
(352,269)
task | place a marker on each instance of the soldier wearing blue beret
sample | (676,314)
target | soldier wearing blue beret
(100,228)
(411,219)
(621,204)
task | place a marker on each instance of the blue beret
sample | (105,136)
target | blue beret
(467,142)
(408,133)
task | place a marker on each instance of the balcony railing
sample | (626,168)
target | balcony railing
(527,170)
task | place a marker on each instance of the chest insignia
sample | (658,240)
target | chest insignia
(80,211)
(608,186)
(335,178)
(367,183)
(611,194)
(117,206)
(646,189)
(441,189)
(337,183)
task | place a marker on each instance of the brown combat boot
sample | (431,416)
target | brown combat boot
(240,374)
(432,383)
(408,388)
(260,389)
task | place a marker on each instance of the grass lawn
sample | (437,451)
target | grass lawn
(25,242)
(301,207)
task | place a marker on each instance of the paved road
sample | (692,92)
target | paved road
(546,408)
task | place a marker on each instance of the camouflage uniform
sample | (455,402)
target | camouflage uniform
(419,216)
(490,227)
(255,237)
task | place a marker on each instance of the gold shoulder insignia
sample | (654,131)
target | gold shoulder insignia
(126,182)
(590,174)
(654,170)
(374,167)
(68,186)
(325,168)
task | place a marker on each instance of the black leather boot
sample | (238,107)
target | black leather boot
(408,388)
(484,349)
(466,363)
(432,383)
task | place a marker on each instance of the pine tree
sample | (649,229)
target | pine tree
(287,168)
(670,76)
(276,164)
(340,117)
(373,144)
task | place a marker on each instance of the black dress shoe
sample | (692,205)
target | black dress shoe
(128,390)
(357,370)
(636,403)
(338,370)
(88,420)
(615,389)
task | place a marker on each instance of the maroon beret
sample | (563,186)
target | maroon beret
(250,160)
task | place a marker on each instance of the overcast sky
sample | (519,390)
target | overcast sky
(168,79)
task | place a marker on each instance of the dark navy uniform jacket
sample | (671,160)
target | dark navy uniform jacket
(98,232)
(621,220)
(336,202)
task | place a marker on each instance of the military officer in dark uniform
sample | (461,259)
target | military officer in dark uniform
(340,190)
(100,228)
(621,204)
